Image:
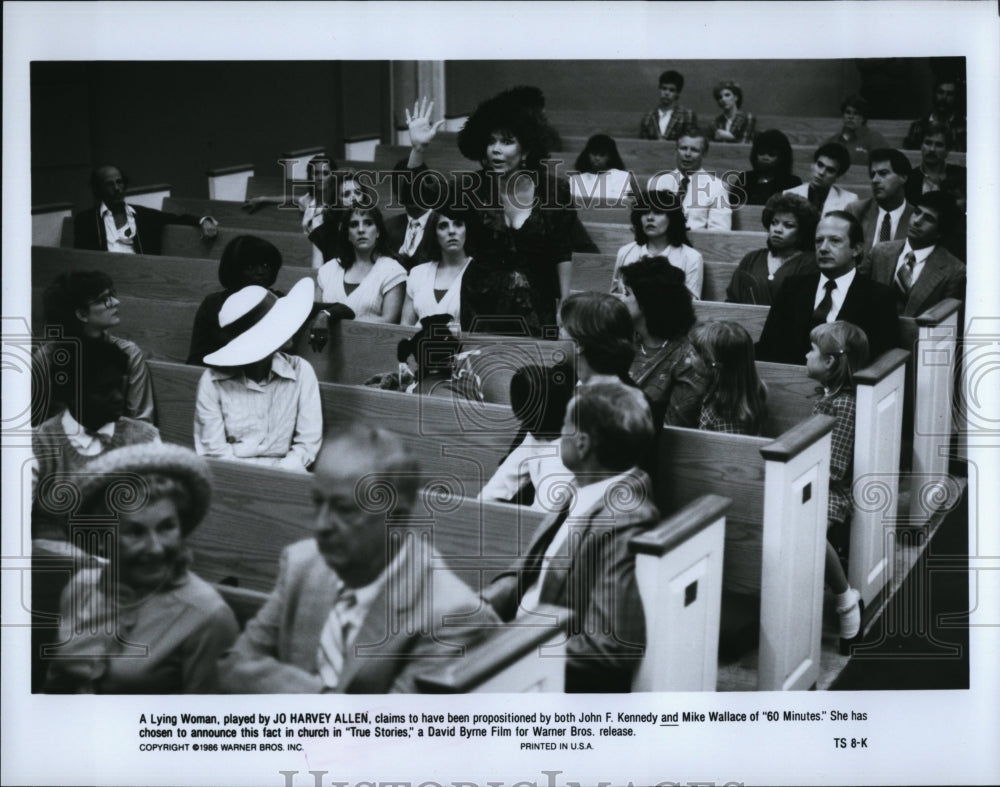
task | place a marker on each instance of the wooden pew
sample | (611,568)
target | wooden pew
(47,223)
(592,272)
(180,241)
(607,238)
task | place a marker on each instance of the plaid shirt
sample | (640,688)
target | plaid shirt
(711,421)
(682,117)
(842,407)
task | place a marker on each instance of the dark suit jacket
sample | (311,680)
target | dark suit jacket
(276,653)
(594,577)
(649,127)
(955,182)
(395,229)
(943,276)
(88,229)
(869,305)
(866,211)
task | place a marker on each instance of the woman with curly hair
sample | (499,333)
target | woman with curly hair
(790,222)
(733,124)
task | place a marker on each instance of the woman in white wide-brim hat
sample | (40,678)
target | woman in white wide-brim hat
(138,621)
(255,402)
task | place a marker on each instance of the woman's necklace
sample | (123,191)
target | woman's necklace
(642,347)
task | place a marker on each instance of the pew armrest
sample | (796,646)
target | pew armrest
(882,367)
(686,523)
(939,312)
(798,438)
(515,658)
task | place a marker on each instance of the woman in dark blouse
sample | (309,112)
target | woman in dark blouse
(790,222)
(527,215)
(771,159)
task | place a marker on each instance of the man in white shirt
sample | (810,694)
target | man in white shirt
(920,270)
(579,557)
(115,226)
(830,161)
(885,216)
(703,196)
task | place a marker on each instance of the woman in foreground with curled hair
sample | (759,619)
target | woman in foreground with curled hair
(141,622)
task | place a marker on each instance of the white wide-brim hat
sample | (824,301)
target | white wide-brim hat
(257,322)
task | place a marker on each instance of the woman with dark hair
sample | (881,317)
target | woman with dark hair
(733,124)
(527,215)
(855,134)
(790,221)
(366,277)
(177,625)
(602,174)
(436,287)
(660,231)
(84,305)
(666,367)
(771,173)
(246,260)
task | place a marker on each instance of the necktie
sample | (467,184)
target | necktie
(411,238)
(823,310)
(885,231)
(334,637)
(533,568)
(682,192)
(904,276)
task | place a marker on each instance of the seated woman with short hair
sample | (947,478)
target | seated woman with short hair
(790,221)
(732,124)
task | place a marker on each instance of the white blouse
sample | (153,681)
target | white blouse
(366,299)
(686,258)
(420,289)
(608,186)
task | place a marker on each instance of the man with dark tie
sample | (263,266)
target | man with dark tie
(418,192)
(884,216)
(836,292)
(920,270)
(358,608)
(579,558)
(703,196)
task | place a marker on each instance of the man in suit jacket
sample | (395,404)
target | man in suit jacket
(886,214)
(922,272)
(837,292)
(667,120)
(353,610)
(579,558)
(410,233)
(113,225)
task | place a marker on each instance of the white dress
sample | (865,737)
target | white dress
(686,258)
(366,299)
(420,289)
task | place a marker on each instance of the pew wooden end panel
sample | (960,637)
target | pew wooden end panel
(229,183)
(48,222)
(878,427)
(678,567)
(513,659)
(794,546)
(933,338)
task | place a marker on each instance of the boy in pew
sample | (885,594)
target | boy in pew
(256,403)
(579,557)
(114,225)
(362,607)
(838,350)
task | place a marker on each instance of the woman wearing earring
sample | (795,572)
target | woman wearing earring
(527,215)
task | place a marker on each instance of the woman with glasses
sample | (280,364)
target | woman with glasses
(84,305)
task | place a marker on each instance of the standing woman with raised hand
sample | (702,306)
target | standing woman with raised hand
(733,124)
(527,214)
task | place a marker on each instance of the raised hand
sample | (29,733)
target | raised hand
(422,130)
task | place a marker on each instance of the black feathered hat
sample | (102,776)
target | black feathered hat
(519,111)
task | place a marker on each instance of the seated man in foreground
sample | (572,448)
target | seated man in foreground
(357,609)
(579,558)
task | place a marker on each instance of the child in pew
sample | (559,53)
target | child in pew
(736,400)
(533,474)
(256,403)
(660,230)
(84,306)
(839,349)
(246,260)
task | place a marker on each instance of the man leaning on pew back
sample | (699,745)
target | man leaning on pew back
(114,225)
(579,557)
(361,607)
